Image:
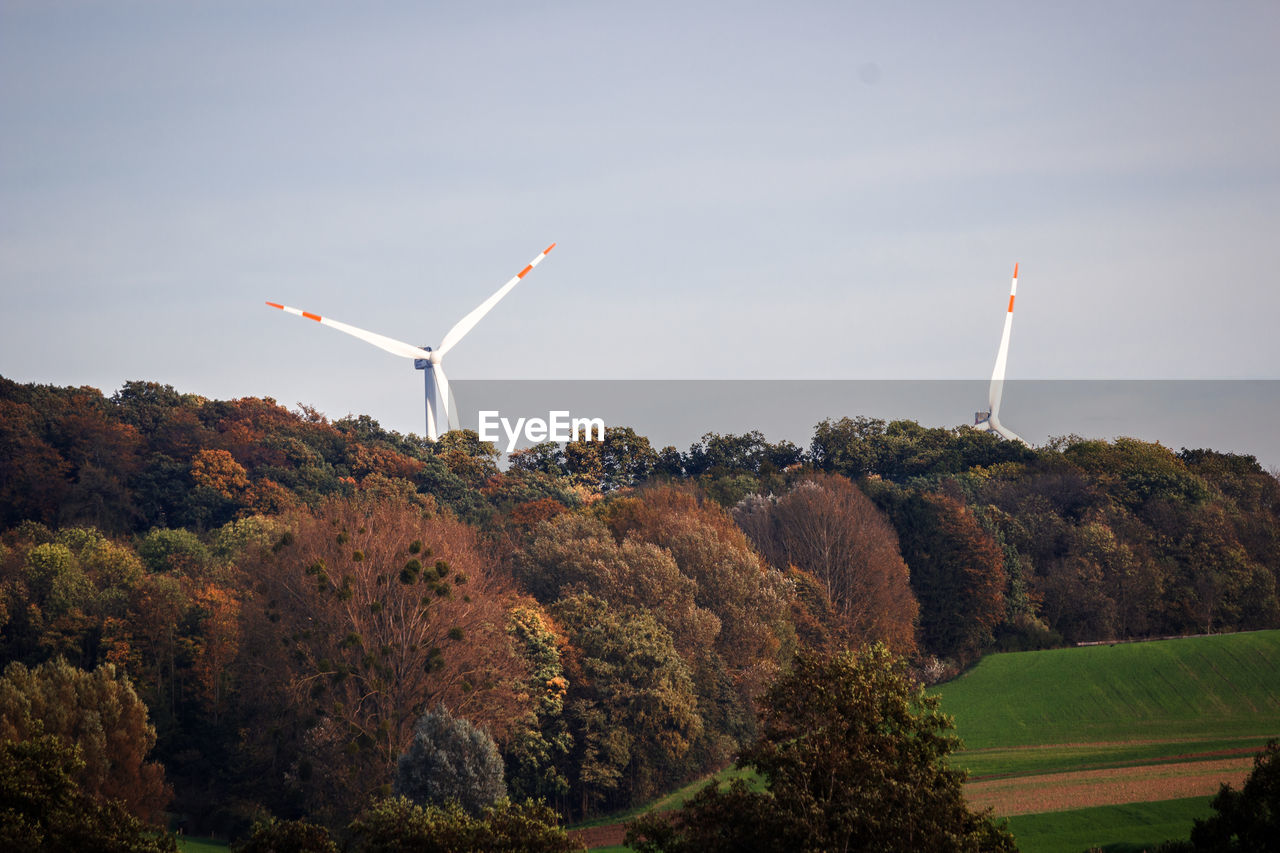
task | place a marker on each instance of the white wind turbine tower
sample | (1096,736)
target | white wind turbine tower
(990,419)
(425,358)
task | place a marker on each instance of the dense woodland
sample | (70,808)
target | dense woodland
(269,602)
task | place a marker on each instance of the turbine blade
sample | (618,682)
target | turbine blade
(391,345)
(446,397)
(1002,355)
(468,322)
(1004,432)
(454,411)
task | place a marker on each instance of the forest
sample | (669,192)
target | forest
(238,614)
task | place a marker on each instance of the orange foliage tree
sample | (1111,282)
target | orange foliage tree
(829,530)
(101,713)
(732,582)
(217,641)
(218,470)
(366,613)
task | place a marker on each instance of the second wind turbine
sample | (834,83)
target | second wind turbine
(425,358)
(990,419)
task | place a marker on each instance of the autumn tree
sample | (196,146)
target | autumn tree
(1137,473)
(729,467)
(622,459)
(526,497)
(732,581)
(380,610)
(215,641)
(530,513)
(92,600)
(1215,583)
(1129,539)
(43,806)
(748,598)
(717,454)
(100,713)
(631,702)
(64,458)
(957,570)
(537,748)
(60,596)
(220,489)
(1076,585)
(576,552)
(900,450)
(166,550)
(65,593)
(32,471)
(826,528)
(103,454)
(1255,497)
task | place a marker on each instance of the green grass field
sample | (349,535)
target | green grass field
(1131,705)
(1135,826)
(1112,706)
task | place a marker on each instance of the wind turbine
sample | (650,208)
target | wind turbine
(425,358)
(990,419)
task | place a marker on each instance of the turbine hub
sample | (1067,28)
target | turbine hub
(429,359)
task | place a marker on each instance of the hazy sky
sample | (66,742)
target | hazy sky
(739,190)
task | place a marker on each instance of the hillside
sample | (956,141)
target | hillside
(1226,685)
(558,599)
(1135,722)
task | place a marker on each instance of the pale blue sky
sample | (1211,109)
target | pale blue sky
(738,190)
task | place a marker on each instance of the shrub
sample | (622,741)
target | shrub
(396,824)
(1247,819)
(286,836)
(450,760)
